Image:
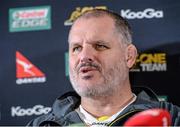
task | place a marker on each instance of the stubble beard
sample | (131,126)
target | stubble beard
(111,81)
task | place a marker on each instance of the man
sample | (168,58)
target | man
(100,56)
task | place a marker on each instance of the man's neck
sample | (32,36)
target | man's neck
(108,105)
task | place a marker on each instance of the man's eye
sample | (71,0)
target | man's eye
(77,49)
(101,47)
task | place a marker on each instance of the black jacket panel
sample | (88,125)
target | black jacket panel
(63,110)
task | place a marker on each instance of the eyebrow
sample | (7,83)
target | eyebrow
(90,42)
(74,43)
(102,42)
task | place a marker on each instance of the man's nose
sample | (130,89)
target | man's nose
(87,55)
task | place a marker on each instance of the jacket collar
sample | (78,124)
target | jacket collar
(64,106)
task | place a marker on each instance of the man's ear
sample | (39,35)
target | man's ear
(131,54)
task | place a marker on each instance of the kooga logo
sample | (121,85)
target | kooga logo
(148,13)
(36,110)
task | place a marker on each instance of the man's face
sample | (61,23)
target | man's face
(96,57)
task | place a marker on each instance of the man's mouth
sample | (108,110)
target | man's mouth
(87,72)
(87,69)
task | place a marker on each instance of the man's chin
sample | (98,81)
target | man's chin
(87,77)
(94,92)
(85,91)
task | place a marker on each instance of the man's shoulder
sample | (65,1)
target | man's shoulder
(39,120)
(63,107)
(146,96)
(147,99)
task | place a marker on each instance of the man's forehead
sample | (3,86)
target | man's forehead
(96,23)
(93,18)
(95,30)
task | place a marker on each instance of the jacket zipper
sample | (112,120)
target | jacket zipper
(122,116)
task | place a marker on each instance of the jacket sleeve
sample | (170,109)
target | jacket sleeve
(35,122)
(32,123)
(173,110)
(43,120)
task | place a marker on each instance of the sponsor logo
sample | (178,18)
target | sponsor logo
(36,110)
(148,62)
(148,13)
(79,11)
(163,98)
(0,111)
(30,18)
(67,63)
(26,72)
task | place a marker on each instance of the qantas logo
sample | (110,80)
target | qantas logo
(26,72)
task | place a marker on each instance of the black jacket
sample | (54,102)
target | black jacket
(63,111)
